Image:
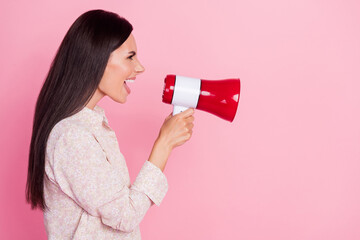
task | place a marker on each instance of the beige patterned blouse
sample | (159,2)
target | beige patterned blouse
(87,184)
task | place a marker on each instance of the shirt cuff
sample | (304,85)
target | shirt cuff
(151,181)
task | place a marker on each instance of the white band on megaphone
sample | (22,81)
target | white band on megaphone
(186,91)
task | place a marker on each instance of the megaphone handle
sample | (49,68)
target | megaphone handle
(178,109)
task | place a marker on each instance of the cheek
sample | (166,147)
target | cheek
(111,76)
(119,72)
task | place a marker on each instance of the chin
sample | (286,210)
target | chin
(119,99)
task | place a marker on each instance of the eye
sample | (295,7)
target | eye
(131,57)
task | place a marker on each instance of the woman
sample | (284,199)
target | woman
(77,174)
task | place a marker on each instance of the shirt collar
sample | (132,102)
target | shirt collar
(93,117)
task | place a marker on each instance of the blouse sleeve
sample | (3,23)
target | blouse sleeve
(83,173)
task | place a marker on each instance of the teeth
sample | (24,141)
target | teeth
(129,80)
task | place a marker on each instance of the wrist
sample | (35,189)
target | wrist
(162,144)
(160,153)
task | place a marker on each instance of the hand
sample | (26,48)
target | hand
(177,129)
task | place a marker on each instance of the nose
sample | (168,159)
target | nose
(139,68)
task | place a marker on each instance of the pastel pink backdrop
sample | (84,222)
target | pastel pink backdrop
(288,167)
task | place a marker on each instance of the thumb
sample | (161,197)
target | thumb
(169,116)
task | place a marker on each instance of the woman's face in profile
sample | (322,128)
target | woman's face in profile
(122,64)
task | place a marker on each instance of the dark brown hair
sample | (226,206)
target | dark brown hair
(73,78)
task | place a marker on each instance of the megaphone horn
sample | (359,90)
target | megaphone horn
(218,97)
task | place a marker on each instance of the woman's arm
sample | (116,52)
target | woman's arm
(175,131)
(160,154)
(81,170)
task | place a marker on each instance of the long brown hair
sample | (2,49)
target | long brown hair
(73,78)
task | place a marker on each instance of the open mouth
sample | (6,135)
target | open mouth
(126,86)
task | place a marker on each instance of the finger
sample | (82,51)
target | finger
(184,137)
(191,116)
(190,119)
(188,112)
(190,126)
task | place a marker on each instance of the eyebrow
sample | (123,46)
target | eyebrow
(133,52)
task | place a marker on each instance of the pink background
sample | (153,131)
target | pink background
(288,167)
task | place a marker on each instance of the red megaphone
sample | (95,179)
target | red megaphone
(219,97)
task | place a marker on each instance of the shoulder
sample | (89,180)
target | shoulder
(71,141)
(68,129)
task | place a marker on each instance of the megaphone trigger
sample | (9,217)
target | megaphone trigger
(178,109)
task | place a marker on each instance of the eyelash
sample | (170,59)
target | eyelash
(131,57)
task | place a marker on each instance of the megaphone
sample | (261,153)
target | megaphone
(218,97)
